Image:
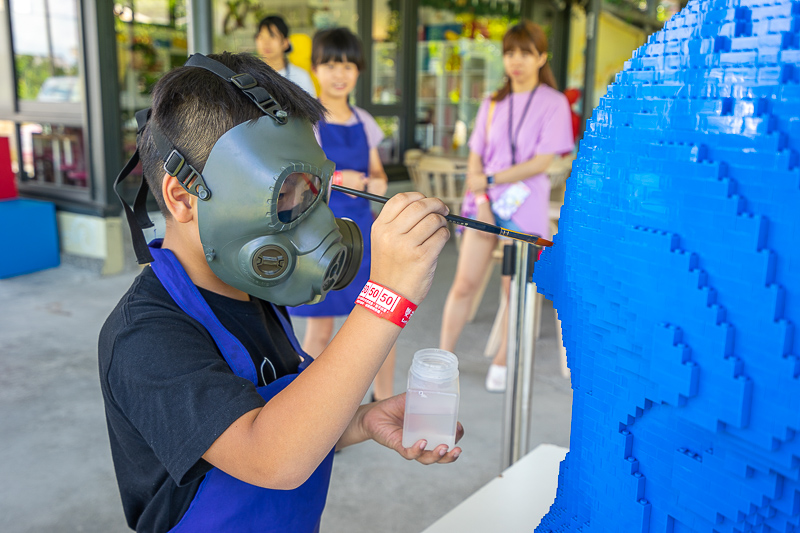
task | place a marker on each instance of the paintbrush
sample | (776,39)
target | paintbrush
(461,221)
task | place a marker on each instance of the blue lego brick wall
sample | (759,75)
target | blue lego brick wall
(28,237)
(676,274)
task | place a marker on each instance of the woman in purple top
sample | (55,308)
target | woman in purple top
(518,132)
(350,137)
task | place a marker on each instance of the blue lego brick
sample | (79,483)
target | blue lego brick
(28,238)
(676,275)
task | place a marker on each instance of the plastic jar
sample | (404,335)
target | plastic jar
(431,399)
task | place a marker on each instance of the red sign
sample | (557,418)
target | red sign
(8,188)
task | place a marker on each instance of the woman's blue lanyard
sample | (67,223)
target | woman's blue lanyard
(519,124)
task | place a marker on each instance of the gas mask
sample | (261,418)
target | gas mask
(262,209)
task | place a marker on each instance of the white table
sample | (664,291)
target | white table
(515,501)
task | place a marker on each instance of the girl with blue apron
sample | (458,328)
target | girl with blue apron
(222,502)
(346,146)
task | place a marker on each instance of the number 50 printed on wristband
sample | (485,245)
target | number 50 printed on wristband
(384,303)
(380,296)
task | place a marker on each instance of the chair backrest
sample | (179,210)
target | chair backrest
(442,177)
(559,170)
(411,156)
(411,159)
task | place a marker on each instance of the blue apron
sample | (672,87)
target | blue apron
(346,146)
(224,503)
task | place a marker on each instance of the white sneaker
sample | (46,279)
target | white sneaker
(496,378)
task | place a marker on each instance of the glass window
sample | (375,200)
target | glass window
(53,154)
(151,40)
(46,50)
(235,23)
(389,148)
(459,62)
(386,49)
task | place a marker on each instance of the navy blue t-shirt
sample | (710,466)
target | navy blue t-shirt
(169,393)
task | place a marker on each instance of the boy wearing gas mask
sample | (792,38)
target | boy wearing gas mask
(217,420)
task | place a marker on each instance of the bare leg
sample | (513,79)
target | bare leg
(500,356)
(319,331)
(473,260)
(383,385)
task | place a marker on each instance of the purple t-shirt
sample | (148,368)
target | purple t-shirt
(371,128)
(547,129)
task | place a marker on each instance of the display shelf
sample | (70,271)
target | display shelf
(453,78)
(384,73)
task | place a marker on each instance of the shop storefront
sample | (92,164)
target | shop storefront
(73,73)
(429,62)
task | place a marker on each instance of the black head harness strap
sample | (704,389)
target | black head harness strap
(137,216)
(175,164)
(246,83)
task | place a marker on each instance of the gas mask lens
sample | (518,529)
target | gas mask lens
(297,194)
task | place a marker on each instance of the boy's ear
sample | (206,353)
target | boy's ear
(178,201)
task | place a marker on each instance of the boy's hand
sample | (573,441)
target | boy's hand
(383,423)
(407,238)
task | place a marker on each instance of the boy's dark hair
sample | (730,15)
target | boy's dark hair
(194,107)
(274,21)
(337,44)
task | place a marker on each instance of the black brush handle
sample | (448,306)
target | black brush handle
(455,219)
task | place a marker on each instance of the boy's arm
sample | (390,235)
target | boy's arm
(281,444)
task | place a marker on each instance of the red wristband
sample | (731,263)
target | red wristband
(386,304)
(481,199)
(337,177)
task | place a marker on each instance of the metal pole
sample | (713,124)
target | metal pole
(49,36)
(507,444)
(201,27)
(593,11)
(520,356)
(524,376)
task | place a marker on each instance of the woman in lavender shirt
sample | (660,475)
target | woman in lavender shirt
(518,132)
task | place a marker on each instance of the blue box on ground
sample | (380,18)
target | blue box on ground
(28,237)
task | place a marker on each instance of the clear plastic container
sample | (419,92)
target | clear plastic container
(432,399)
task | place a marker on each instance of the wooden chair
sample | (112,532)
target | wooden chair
(411,159)
(442,177)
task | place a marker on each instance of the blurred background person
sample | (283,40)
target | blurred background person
(518,132)
(272,46)
(350,137)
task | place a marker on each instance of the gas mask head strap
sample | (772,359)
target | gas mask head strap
(138,219)
(246,83)
(175,163)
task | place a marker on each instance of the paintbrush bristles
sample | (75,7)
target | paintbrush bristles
(532,239)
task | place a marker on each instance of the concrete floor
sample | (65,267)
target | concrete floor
(57,473)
